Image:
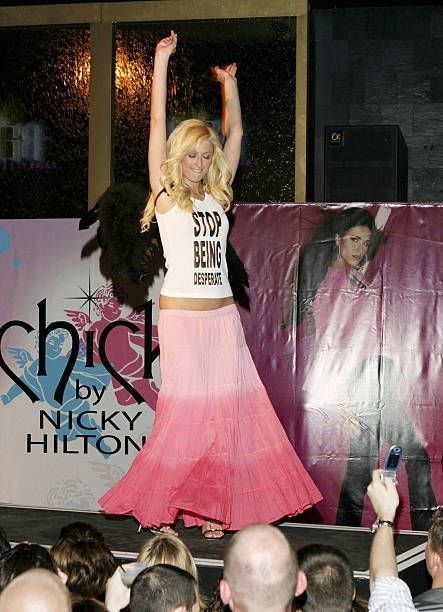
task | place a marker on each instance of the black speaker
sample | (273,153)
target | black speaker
(365,163)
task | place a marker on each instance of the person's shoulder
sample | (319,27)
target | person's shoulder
(163,203)
(390,593)
(429,600)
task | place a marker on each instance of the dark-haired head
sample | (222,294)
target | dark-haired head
(163,588)
(345,219)
(80,531)
(170,550)
(346,237)
(325,244)
(436,532)
(330,581)
(83,555)
(22,558)
(434,549)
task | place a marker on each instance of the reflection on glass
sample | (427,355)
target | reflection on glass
(264,50)
(44,97)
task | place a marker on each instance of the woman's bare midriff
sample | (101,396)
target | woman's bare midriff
(176,303)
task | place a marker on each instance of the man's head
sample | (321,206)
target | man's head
(330,582)
(36,589)
(163,588)
(434,549)
(261,571)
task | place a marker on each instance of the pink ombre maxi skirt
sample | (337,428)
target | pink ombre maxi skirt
(217,450)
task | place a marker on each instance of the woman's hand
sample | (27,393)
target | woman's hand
(221,74)
(167,46)
(117,594)
(157,132)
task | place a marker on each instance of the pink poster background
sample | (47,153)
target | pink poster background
(398,317)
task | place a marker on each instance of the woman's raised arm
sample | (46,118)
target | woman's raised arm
(231,114)
(157,134)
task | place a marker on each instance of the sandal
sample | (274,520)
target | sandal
(159,530)
(212,531)
(163,529)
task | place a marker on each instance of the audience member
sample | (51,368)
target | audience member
(433,598)
(164,588)
(22,558)
(330,580)
(159,588)
(388,592)
(261,571)
(37,590)
(83,555)
(117,593)
(170,550)
(215,603)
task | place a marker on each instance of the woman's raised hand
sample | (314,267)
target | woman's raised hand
(157,132)
(221,74)
(167,45)
(231,125)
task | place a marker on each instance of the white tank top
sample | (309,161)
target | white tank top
(194,245)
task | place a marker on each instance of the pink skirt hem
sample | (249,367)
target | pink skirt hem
(217,450)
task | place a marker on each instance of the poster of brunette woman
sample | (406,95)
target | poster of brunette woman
(356,357)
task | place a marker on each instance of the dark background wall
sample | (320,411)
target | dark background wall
(380,65)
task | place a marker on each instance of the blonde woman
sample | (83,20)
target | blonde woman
(166,548)
(217,457)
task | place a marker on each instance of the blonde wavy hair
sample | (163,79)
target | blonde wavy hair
(186,137)
(169,549)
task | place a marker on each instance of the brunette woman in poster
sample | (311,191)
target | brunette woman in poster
(340,308)
(217,456)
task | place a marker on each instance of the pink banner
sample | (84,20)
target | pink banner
(343,317)
(351,356)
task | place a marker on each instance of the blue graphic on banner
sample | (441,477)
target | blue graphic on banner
(6,246)
(72,419)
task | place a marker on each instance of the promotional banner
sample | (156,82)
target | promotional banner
(345,325)
(79,368)
(343,317)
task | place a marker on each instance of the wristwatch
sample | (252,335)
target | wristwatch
(380,522)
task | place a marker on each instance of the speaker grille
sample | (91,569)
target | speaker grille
(365,163)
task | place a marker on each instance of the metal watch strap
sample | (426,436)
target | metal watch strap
(380,522)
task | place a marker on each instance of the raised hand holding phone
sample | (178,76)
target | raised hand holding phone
(392,463)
